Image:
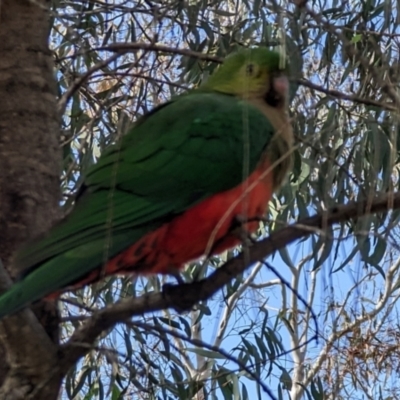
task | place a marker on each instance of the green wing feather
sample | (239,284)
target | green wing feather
(182,153)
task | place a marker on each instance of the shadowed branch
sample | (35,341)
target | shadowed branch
(185,296)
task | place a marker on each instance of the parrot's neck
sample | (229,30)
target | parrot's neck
(278,117)
(280,149)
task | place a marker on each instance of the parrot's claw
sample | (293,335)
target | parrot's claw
(239,229)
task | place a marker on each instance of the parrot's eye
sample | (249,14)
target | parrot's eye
(250,69)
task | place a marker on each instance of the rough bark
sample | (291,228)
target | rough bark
(29,187)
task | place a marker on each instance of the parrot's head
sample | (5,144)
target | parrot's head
(256,73)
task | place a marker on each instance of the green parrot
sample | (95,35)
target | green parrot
(175,186)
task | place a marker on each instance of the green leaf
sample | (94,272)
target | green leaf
(207,353)
(356,38)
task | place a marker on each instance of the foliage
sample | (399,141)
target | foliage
(117,60)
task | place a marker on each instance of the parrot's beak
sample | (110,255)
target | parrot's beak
(280,85)
(278,91)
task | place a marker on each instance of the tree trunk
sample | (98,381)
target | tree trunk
(29,188)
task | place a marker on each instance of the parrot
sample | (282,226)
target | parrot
(175,187)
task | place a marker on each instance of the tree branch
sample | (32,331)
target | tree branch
(183,297)
(344,96)
(127,47)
